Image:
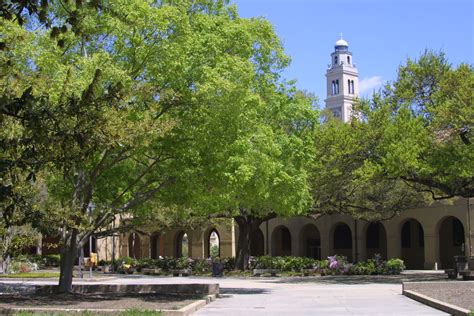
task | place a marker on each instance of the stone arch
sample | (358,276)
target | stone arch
(412,243)
(342,240)
(451,240)
(212,238)
(134,246)
(376,240)
(310,241)
(155,249)
(182,244)
(257,243)
(281,241)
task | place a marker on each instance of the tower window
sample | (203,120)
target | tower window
(349,60)
(335,60)
(337,86)
(350,86)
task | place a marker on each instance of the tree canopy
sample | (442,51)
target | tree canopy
(123,108)
(427,128)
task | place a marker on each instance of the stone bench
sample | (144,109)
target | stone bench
(181,272)
(467,274)
(259,272)
(151,271)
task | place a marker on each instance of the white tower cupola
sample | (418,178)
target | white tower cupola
(342,81)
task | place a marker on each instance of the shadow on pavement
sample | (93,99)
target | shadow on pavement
(362,279)
(70,300)
(227,290)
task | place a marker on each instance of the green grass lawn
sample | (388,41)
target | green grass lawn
(30,275)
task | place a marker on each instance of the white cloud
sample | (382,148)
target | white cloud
(368,85)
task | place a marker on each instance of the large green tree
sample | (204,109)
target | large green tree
(407,145)
(109,96)
(257,159)
(118,105)
(344,182)
(426,118)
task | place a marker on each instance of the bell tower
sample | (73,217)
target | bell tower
(342,81)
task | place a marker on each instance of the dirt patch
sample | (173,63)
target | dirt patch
(97,301)
(459,293)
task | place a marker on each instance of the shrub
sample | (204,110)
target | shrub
(184,263)
(22,267)
(229,263)
(201,266)
(214,251)
(338,265)
(394,266)
(52,260)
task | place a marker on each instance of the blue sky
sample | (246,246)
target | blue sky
(381,34)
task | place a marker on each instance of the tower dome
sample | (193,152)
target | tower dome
(341,45)
(341,42)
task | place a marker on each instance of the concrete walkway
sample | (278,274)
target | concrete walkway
(313,298)
(337,295)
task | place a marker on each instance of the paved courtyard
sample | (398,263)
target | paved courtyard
(305,297)
(293,296)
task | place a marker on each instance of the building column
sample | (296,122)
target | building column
(326,241)
(361,244)
(295,242)
(432,259)
(469,232)
(196,244)
(394,242)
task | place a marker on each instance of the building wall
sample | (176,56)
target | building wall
(436,240)
(316,237)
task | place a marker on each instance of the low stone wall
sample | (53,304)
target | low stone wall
(186,289)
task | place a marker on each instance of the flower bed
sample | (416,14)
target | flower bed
(334,265)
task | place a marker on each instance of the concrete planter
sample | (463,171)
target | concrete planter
(467,274)
(259,272)
(181,272)
(150,271)
(308,272)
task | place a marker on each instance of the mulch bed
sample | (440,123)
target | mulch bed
(97,301)
(459,293)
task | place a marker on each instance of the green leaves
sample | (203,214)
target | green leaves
(401,144)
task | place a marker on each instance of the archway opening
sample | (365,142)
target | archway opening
(310,242)
(213,248)
(343,241)
(182,245)
(281,241)
(451,241)
(413,244)
(376,240)
(134,250)
(257,243)
(155,246)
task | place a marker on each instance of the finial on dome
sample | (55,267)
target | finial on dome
(341,42)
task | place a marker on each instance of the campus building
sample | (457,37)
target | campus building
(425,238)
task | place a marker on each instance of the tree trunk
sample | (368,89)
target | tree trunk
(68,257)
(247,225)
